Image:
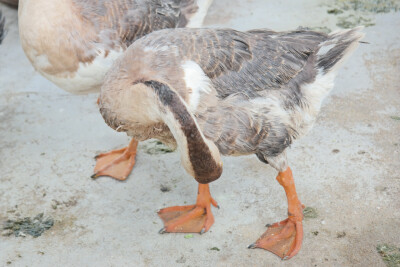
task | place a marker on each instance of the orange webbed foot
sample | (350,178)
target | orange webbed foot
(196,218)
(283,238)
(117,164)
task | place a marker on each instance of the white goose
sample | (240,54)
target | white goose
(73,43)
(213,92)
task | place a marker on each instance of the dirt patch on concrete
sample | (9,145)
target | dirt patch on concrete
(32,226)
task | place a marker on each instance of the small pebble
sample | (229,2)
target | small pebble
(164,188)
(22,234)
(181,260)
(315,233)
(341,234)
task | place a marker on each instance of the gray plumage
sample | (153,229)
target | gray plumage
(124,21)
(266,87)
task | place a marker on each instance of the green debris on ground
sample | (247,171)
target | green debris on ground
(352,21)
(33,226)
(360,12)
(310,213)
(323,29)
(397,118)
(390,254)
(215,248)
(335,11)
(156,147)
(372,6)
(188,236)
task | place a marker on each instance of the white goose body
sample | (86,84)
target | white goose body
(87,78)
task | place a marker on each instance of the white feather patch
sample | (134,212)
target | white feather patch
(325,49)
(197,80)
(273,104)
(197,20)
(156,48)
(314,93)
(89,76)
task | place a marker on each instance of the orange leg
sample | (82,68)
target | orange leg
(196,218)
(284,238)
(117,164)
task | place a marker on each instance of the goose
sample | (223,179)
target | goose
(73,43)
(213,92)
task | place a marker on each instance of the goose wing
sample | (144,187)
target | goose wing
(128,20)
(243,62)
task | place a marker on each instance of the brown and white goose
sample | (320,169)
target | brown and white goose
(213,92)
(73,43)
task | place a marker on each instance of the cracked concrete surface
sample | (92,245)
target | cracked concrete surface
(347,168)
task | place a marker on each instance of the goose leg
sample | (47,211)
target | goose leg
(284,238)
(196,218)
(117,164)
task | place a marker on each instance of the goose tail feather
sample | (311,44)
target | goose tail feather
(340,45)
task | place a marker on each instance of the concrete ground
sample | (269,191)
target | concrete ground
(347,168)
